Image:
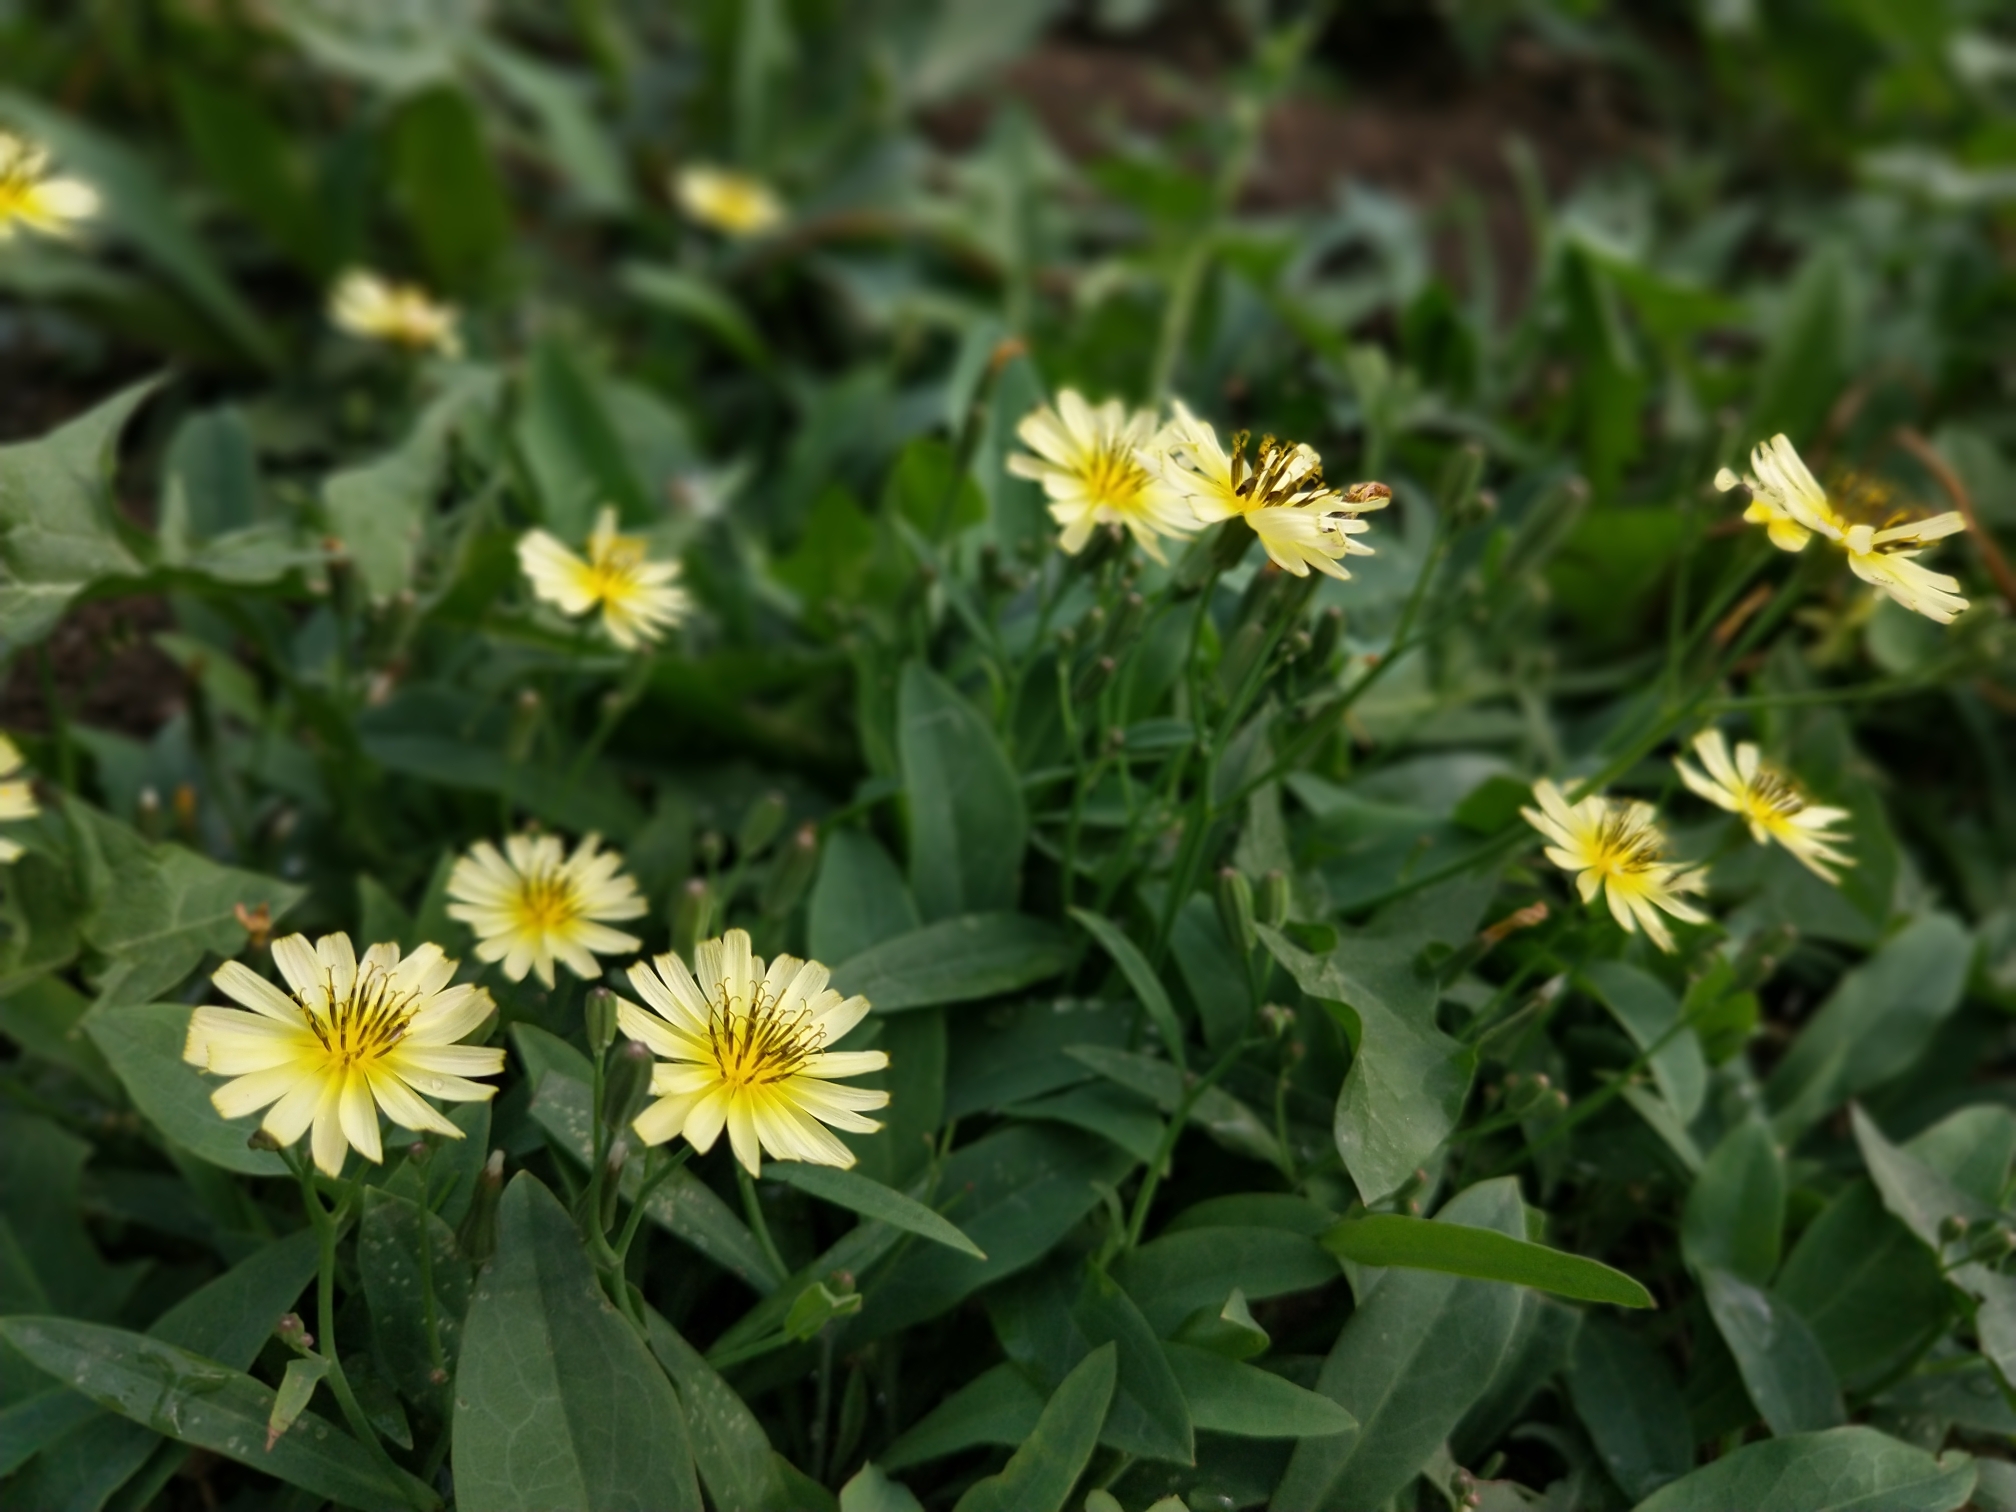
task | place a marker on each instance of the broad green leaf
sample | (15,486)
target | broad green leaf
(1735,1214)
(1173,1276)
(199,1401)
(41,1196)
(570,131)
(1624,1392)
(245,151)
(858,899)
(1867,1287)
(927,489)
(736,1462)
(968,824)
(1806,363)
(380,509)
(1840,1470)
(872,1491)
(1217,982)
(1100,1108)
(1017,1051)
(227,1320)
(998,1406)
(416,1309)
(872,1200)
(1273,1210)
(1230,1331)
(693,298)
(1227,1120)
(397,49)
(557,1401)
(1533,1360)
(1409,1363)
(1019,1190)
(956,960)
(1039,1476)
(1971,1148)
(1389,1239)
(144,1045)
(1140,976)
(915,1043)
(1149,1417)
(1650,1014)
(1875,1024)
(445,183)
(1226,1396)
(570,446)
(56,520)
(1783,1366)
(472,765)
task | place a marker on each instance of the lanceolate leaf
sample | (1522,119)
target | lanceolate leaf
(1140,976)
(1385,1239)
(1841,1470)
(956,960)
(871,1199)
(968,824)
(1040,1475)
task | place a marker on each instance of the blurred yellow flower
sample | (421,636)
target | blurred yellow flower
(29,197)
(1614,846)
(347,1039)
(636,595)
(1089,463)
(364,304)
(535,904)
(1302,521)
(1786,499)
(1767,800)
(728,201)
(744,1049)
(17,799)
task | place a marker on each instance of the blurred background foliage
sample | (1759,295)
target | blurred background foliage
(1606,247)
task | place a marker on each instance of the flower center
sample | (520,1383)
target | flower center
(1624,846)
(546,902)
(1770,796)
(612,566)
(763,1044)
(362,1027)
(1113,477)
(1276,476)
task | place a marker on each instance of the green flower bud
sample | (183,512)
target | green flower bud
(1235,908)
(477,1238)
(1274,898)
(792,872)
(692,915)
(761,824)
(599,1009)
(1093,680)
(626,1084)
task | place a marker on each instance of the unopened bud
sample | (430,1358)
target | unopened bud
(292,1332)
(692,915)
(626,1083)
(1274,898)
(792,872)
(477,1238)
(712,847)
(1277,1019)
(259,1139)
(419,1152)
(1093,680)
(761,824)
(598,1008)
(526,716)
(185,808)
(612,1179)
(1126,623)
(1235,908)
(1108,543)
(1240,654)
(1952,1228)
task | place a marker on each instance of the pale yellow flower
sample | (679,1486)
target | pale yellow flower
(364,304)
(30,197)
(744,1049)
(728,201)
(1613,845)
(636,595)
(1767,800)
(1089,463)
(534,904)
(17,799)
(1792,506)
(1302,521)
(347,1039)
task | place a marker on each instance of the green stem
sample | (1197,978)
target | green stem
(1166,1146)
(758,1225)
(659,1171)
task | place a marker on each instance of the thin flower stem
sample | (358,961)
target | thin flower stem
(660,1170)
(1166,1147)
(758,1225)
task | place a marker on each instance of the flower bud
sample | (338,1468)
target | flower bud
(612,1180)
(792,872)
(760,824)
(1240,654)
(262,1141)
(526,715)
(1126,624)
(626,1083)
(692,915)
(712,847)
(1235,908)
(1457,483)
(1093,680)
(292,1332)
(1108,543)
(477,1238)
(1274,898)
(599,1009)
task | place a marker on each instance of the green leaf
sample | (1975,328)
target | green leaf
(201,1402)
(968,824)
(998,1406)
(1226,1396)
(1874,1025)
(693,298)
(1140,976)
(734,1456)
(297,1386)
(1019,1190)
(1735,1213)
(445,184)
(858,899)
(1806,363)
(245,152)
(871,1199)
(1650,1013)
(396,1284)
(57,535)
(1626,1396)
(1149,1417)
(571,132)
(1039,1476)
(570,446)
(45,1017)
(557,1401)
(144,1045)
(1841,1470)
(1103,1109)
(872,1491)
(1783,1366)
(927,488)
(1387,1239)
(1227,1120)
(956,960)
(1175,1275)
(380,509)
(1230,1331)
(1411,1359)
(1869,1290)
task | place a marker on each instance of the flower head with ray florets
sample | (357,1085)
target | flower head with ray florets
(535,904)
(1767,800)
(746,1049)
(345,1040)
(1614,846)
(636,595)
(1089,462)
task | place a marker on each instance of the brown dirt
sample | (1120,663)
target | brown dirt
(108,671)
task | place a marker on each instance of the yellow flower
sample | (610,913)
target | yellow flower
(745,1049)
(1793,507)
(1302,521)
(1767,800)
(28,197)
(637,597)
(728,201)
(17,799)
(367,305)
(534,904)
(346,1040)
(1613,845)
(1089,463)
